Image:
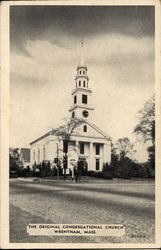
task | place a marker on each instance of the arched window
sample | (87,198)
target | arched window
(75,99)
(84,128)
(84,84)
(79,83)
(73,114)
(80,72)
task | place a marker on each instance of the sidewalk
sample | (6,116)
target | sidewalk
(86,179)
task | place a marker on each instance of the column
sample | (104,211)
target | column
(105,153)
(77,148)
(91,159)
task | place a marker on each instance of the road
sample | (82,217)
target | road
(93,201)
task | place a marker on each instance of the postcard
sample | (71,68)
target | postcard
(80,145)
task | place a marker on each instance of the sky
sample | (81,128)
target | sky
(45,44)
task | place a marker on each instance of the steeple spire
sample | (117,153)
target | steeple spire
(81,63)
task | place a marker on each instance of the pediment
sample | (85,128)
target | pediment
(92,131)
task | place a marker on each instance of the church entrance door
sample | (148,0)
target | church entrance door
(83,165)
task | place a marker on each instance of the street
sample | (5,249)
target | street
(92,201)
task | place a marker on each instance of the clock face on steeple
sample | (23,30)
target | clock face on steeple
(85,113)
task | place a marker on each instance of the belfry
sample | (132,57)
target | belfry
(88,144)
(81,94)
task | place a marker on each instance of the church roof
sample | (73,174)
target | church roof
(99,130)
(67,127)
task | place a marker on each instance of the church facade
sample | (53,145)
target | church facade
(87,142)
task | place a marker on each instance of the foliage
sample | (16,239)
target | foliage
(123,148)
(128,168)
(100,174)
(145,129)
(151,152)
(124,167)
(43,169)
(14,161)
(64,133)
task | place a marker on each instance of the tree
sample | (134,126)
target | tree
(145,129)
(151,152)
(124,148)
(121,163)
(64,133)
(14,160)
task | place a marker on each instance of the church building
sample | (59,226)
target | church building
(87,142)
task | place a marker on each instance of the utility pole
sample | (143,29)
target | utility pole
(65,160)
(57,162)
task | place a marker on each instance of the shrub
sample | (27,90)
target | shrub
(103,174)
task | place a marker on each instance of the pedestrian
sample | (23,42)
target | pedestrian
(79,170)
(72,170)
(76,173)
(72,166)
(85,170)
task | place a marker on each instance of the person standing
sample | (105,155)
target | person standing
(72,170)
(72,166)
(76,173)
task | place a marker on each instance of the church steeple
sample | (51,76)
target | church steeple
(81,77)
(81,62)
(81,94)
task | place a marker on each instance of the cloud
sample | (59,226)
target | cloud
(58,24)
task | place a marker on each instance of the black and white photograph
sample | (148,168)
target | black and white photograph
(82,108)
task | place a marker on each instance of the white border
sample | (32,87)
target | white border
(5,124)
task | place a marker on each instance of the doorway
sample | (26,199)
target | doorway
(83,165)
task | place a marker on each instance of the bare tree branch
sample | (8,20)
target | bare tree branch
(145,129)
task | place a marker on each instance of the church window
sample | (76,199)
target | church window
(73,114)
(97,149)
(84,99)
(81,148)
(43,152)
(85,113)
(97,164)
(83,72)
(80,72)
(38,158)
(84,83)
(84,128)
(75,99)
(34,156)
(79,83)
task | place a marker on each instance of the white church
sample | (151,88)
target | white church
(87,142)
